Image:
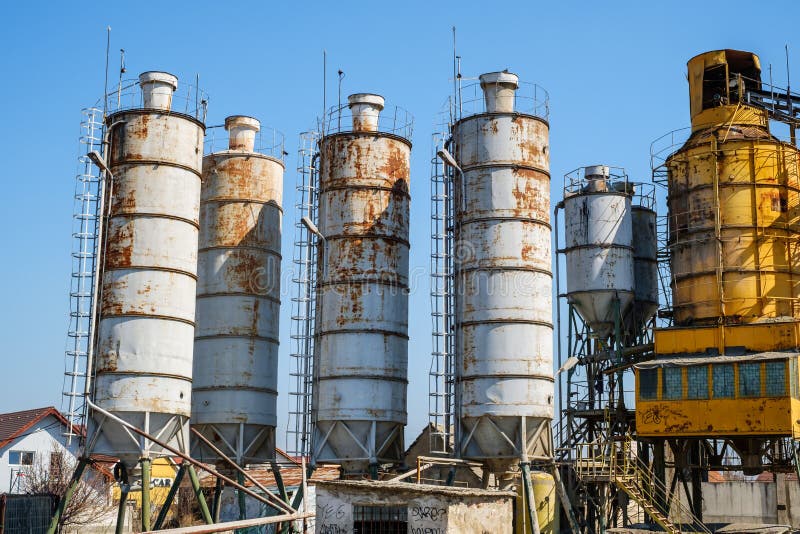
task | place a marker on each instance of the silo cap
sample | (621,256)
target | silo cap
(597,170)
(366,98)
(499,78)
(155,76)
(242,121)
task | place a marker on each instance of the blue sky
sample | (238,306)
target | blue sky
(615,72)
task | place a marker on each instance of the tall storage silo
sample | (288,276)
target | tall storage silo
(503,280)
(147,306)
(733,192)
(599,247)
(234,394)
(361,347)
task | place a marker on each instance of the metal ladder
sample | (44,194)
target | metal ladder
(85,226)
(304,263)
(441,399)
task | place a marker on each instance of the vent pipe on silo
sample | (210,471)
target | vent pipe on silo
(242,132)
(499,90)
(365,107)
(596,178)
(157,88)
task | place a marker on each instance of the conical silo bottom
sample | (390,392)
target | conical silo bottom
(355,445)
(117,441)
(501,443)
(241,443)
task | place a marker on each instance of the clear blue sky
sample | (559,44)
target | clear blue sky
(615,72)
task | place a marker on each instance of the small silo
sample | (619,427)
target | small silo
(361,348)
(599,247)
(503,280)
(234,394)
(645,258)
(147,305)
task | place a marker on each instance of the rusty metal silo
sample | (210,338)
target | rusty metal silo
(234,394)
(503,280)
(147,307)
(361,348)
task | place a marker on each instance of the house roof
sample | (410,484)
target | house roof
(15,424)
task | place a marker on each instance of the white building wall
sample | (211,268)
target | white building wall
(42,439)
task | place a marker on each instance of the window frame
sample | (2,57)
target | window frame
(21,454)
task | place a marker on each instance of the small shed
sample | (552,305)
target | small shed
(375,506)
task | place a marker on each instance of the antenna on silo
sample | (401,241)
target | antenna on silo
(105,85)
(122,70)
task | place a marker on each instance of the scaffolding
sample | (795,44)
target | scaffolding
(304,273)
(85,243)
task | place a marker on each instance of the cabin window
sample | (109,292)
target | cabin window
(697,377)
(673,382)
(723,381)
(648,384)
(749,379)
(776,378)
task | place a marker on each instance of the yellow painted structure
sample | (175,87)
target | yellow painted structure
(734,203)
(162,477)
(711,397)
(734,227)
(547,505)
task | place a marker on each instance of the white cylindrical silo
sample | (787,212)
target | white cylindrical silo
(234,395)
(503,280)
(361,347)
(147,304)
(599,247)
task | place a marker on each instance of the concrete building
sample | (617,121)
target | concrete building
(368,506)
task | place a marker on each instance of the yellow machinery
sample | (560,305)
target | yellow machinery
(733,195)
(721,388)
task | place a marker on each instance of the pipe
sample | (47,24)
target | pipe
(233,525)
(62,504)
(173,490)
(530,498)
(124,488)
(178,453)
(198,492)
(238,468)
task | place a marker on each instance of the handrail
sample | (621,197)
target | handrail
(617,462)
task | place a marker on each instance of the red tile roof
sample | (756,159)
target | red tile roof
(15,424)
(292,475)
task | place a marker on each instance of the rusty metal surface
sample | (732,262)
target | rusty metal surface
(147,309)
(503,296)
(234,395)
(362,300)
(599,251)
(738,265)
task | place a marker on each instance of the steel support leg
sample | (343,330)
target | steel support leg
(124,488)
(62,504)
(217,502)
(198,493)
(530,499)
(276,471)
(241,496)
(146,464)
(173,490)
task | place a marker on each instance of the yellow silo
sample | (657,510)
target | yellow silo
(733,203)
